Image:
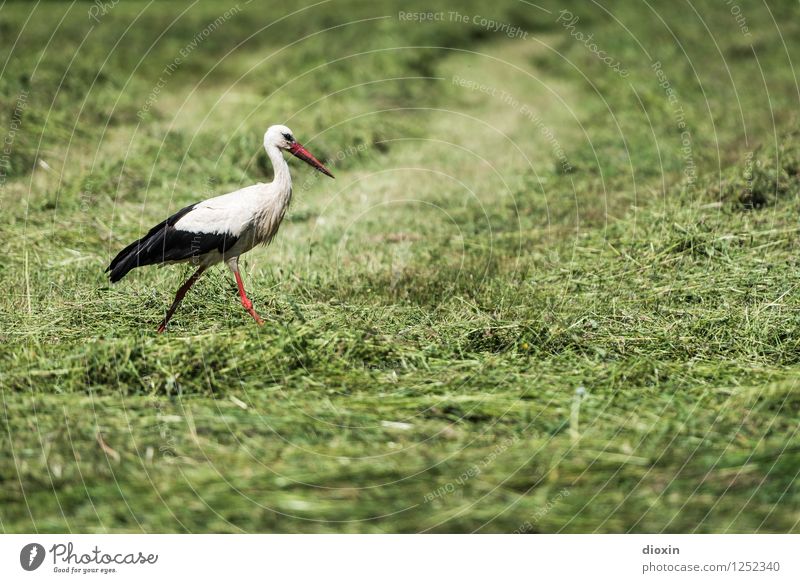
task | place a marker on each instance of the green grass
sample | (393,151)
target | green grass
(434,312)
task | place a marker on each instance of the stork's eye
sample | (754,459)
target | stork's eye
(288,137)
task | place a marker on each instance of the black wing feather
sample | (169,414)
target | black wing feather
(165,243)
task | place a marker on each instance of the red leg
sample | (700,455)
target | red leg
(248,305)
(179,297)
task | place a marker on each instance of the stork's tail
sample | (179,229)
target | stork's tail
(145,251)
(149,250)
(129,258)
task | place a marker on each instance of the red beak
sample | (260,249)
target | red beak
(298,150)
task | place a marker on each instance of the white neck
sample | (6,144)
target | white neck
(274,207)
(282,180)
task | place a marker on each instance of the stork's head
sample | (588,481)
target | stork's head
(280,136)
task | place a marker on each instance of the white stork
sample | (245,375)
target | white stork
(220,228)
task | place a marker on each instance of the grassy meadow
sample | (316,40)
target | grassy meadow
(553,288)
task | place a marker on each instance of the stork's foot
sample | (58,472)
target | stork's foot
(233,264)
(248,305)
(161,327)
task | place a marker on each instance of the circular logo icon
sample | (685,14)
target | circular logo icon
(31,556)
